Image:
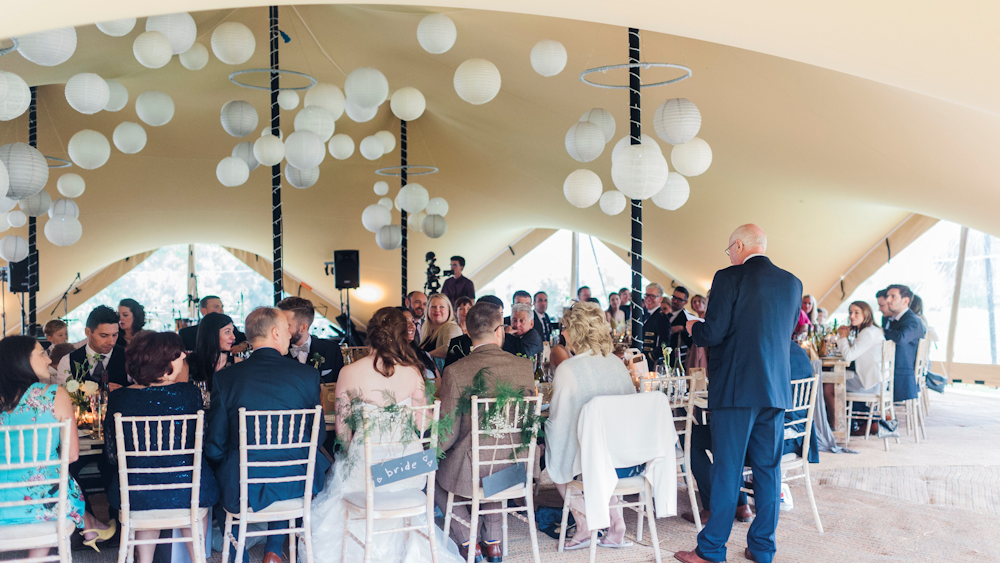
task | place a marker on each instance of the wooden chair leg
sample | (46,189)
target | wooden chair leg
(565,520)
(241,542)
(593,546)
(648,497)
(473,527)
(850,419)
(638,526)
(307,537)
(347,538)
(812,499)
(124,547)
(529,502)
(431,537)
(689,479)
(504,526)
(369,535)
(227,535)
(447,513)
(291,542)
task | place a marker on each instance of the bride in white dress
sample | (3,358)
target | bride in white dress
(391,373)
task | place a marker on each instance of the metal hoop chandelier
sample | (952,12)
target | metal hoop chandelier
(11,49)
(398,170)
(232,78)
(64,163)
(604,69)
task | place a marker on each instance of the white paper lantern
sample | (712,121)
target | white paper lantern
(385,202)
(359,114)
(613,202)
(267,131)
(62,230)
(239,118)
(381,187)
(27,170)
(152,49)
(692,158)
(437,206)
(435,226)
(66,207)
(584,141)
(341,146)
(179,29)
(303,149)
(13,248)
(48,48)
(412,198)
(117,28)
(389,237)
(17,219)
(15,96)
(194,58)
(366,87)
(674,194)
(154,108)
(269,150)
(375,217)
(548,57)
(117,96)
(372,148)
(677,121)
(232,172)
(233,43)
(603,119)
(408,103)
(87,93)
(317,120)
(301,178)
(288,100)
(436,33)
(627,141)
(89,149)
(388,141)
(582,188)
(6,204)
(244,152)
(328,97)
(640,171)
(129,137)
(36,205)
(415,222)
(477,81)
(4,182)
(71,185)
(4,225)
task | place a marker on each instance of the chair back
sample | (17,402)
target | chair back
(700,379)
(502,442)
(354,353)
(402,427)
(804,402)
(888,367)
(32,446)
(923,355)
(679,391)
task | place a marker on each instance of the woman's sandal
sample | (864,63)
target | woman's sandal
(624,543)
(582,545)
(102,535)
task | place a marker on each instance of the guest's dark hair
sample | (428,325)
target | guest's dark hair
(881,294)
(57,352)
(491,299)
(16,373)
(625,289)
(463,300)
(916,305)
(138,313)
(904,291)
(581,289)
(388,339)
(204,301)
(459,259)
(683,290)
(148,356)
(206,347)
(301,307)
(866,311)
(594,300)
(482,319)
(520,293)
(535,298)
(610,295)
(101,315)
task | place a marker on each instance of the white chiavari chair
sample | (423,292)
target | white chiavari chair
(879,403)
(913,409)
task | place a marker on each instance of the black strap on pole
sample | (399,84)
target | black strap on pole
(402,182)
(32,222)
(635,132)
(276,169)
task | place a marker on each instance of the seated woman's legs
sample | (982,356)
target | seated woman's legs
(576,504)
(831,400)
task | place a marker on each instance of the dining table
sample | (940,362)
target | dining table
(835,373)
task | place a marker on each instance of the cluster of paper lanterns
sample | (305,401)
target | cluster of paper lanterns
(425,214)
(476,81)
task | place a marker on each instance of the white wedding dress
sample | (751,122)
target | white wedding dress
(329,512)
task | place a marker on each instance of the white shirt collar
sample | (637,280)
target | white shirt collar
(752,256)
(654,310)
(899,316)
(91,353)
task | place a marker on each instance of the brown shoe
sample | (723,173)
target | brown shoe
(492,552)
(744,514)
(463,551)
(748,555)
(704,514)
(690,557)
(272,557)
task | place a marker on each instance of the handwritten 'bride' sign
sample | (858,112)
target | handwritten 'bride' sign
(404,467)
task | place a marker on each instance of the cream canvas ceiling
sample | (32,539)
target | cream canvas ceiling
(829,127)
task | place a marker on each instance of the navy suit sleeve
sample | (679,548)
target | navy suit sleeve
(906,330)
(719,316)
(217,434)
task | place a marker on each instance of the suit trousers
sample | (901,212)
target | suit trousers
(756,436)
(701,466)
(490,525)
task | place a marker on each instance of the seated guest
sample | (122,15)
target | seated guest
(460,346)
(100,360)
(430,368)
(614,315)
(131,319)
(865,353)
(656,325)
(56,332)
(416,302)
(821,315)
(210,304)
(883,309)
(625,302)
(678,318)
(265,381)
(439,326)
(520,296)
(458,285)
(521,319)
(593,371)
(543,324)
(809,306)
(905,329)
(462,307)
(56,354)
(318,353)
(155,361)
(583,294)
(213,348)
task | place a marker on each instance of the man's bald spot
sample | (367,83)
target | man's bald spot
(752,236)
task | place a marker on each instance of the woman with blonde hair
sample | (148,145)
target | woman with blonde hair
(439,327)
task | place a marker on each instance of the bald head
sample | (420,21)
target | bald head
(746,240)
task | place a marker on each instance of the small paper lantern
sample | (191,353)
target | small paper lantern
(408,103)
(267,131)
(13,248)
(389,237)
(194,58)
(477,81)
(677,121)
(233,43)
(548,57)
(301,178)
(6,204)
(36,205)
(27,170)
(17,219)
(375,216)
(62,230)
(639,171)
(239,118)
(388,141)
(89,149)
(328,97)
(674,194)
(87,93)
(359,114)
(372,148)
(269,150)
(48,48)
(317,120)
(129,137)
(71,185)
(341,146)
(244,152)
(385,202)
(412,198)
(435,226)
(381,187)
(613,202)
(288,100)
(584,141)
(437,206)
(179,29)
(15,96)
(154,108)
(117,96)
(436,33)
(66,207)
(117,28)
(692,158)
(4,225)
(582,188)
(603,119)
(232,172)
(152,49)
(303,149)
(415,222)
(366,87)
(627,141)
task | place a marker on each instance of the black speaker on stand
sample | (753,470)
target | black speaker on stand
(346,275)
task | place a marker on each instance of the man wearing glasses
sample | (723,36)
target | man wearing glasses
(656,325)
(678,318)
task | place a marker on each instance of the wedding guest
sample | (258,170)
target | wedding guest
(821,315)
(614,315)
(543,323)
(100,359)
(678,318)
(318,353)
(656,325)
(698,356)
(458,285)
(809,308)
(212,352)
(209,304)
(430,368)
(56,332)
(460,346)
(883,309)
(416,302)
(905,329)
(625,303)
(520,296)
(439,326)
(699,305)
(462,307)
(155,361)
(864,353)
(56,354)
(131,319)
(521,321)
(583,294)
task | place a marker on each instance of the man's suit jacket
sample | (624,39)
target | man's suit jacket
(543,326)
(749,322)
(333,359)
(655,332)
(264,381)
(906,333)
(679,340)
(460,347)
(116,365)
(189,336)
(455,470)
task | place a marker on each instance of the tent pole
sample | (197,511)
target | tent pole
(635,132)
(956,297)
(276,224)
(402,184)
(32,224)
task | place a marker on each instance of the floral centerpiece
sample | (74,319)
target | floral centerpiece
(83,391)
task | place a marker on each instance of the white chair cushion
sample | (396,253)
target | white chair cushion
(27,531)
(395,500)
(283,506)
(862,397)
(636,483)
(167,515)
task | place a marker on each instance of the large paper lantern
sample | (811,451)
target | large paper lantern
(66,207)
(87,93)
(375,216)
(613,202)
(677,121)
(359,114)
(4,180)
(194,58)
(317,120)
(6,204)
(152,49)
(436,33)
(268,150)
(582,188)
(341,146)
(71,185)
(36,205)
(15,96)
(239,118)
(13,248)
(154,108)
(639,171)
(232,171)
(372,148)
(603,119)
(366,87)
(179,29)
(674,194)
(117,96)
(477,81)
(415,222)
(89,149)
(412,198)
(233,43)
(48,48)
(627,141)
(62,230)
(584,141)
(692,158)
(288,100)
(435,226)
(407,103)
(328,97)
(385,202)
(389,237)
(381,187)
(548,57)
(17,219)
(388,141)
(129,137)
(303,149)
(117,28)
(4,225)
(244,152)
(27,170)
(437,206)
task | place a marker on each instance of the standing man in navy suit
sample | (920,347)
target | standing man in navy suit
(905,328)
(748,325)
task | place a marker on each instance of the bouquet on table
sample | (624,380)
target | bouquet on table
(86,395)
